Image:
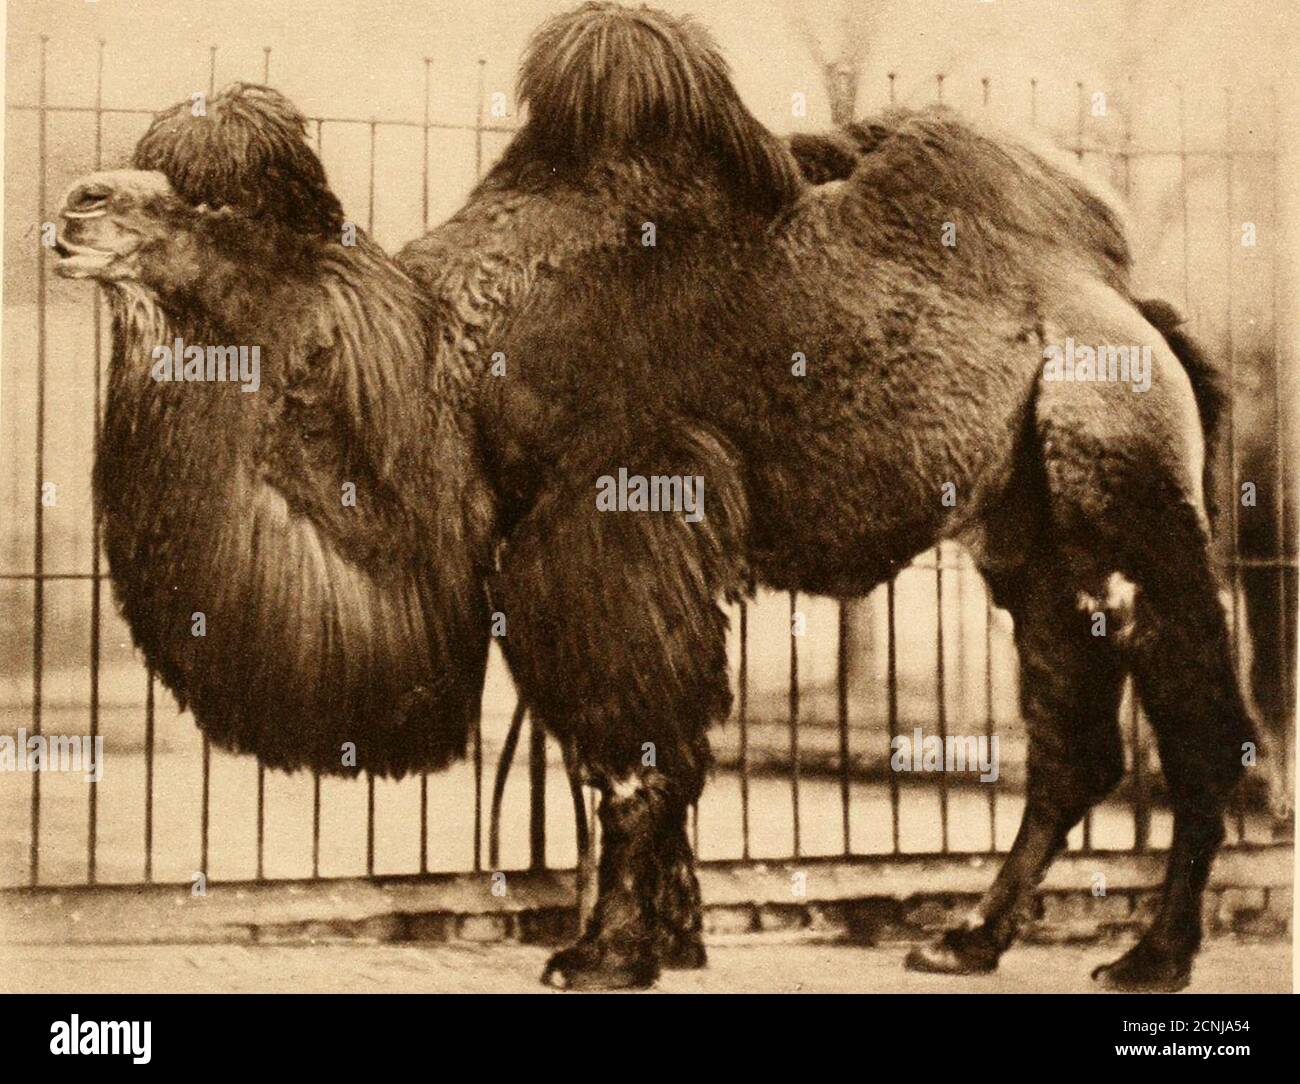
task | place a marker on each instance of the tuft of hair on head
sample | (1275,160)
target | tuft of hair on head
(606,79)
(247,150)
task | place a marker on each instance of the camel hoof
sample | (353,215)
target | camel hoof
(1144,969)
(957,952)
(590,966)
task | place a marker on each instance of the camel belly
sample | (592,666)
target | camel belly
(886,453)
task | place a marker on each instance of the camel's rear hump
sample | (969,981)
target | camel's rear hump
(932,167)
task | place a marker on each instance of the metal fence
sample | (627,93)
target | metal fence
(810,762)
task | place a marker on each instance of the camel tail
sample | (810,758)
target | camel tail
(1210,384)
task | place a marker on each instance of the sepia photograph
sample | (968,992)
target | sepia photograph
(707,497)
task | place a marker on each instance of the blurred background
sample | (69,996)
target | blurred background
(1186,109)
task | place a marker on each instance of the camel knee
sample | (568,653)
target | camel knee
(1074,782)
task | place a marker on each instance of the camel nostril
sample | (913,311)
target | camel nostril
(90,196)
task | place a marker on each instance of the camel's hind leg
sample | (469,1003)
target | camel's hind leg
(1070,685)
(1124,475)
(1182,662)
(1164,620)
(1114,496)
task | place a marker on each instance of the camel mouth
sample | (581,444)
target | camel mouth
(80,261)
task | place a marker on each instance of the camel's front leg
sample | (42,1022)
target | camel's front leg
(642,815)
(616,640)
(679,915)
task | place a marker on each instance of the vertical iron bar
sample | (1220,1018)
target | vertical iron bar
(1230,335)
(370,775)
(1279,466)
(424,220)
(536,794)
(1078,122)
(1126,152)
(38,540)
(941,686)
(315,774)
(205,815)
(984,92)
(424,186)
(988,717)
(478,791)
(370,823)
(893,76)
(478,121)
(1182,181)
(92,822)
(478,718)
(148,776)
(938,79)
(266,65)
(744,730)
(1141,807)
(424,822)
(842,720)
(1033,102)
(315,822)
(370,192)
(1078,140)
(261,819)
(794,723)
(891,687)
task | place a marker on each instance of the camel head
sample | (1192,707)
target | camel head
(227,189)
(114,225)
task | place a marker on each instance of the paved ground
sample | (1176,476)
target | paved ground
(1225,966)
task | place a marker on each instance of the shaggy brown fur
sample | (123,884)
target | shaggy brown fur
(328,621)
(924,366)
(586,102)
(1069,207)
(247,152)
(561,342)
